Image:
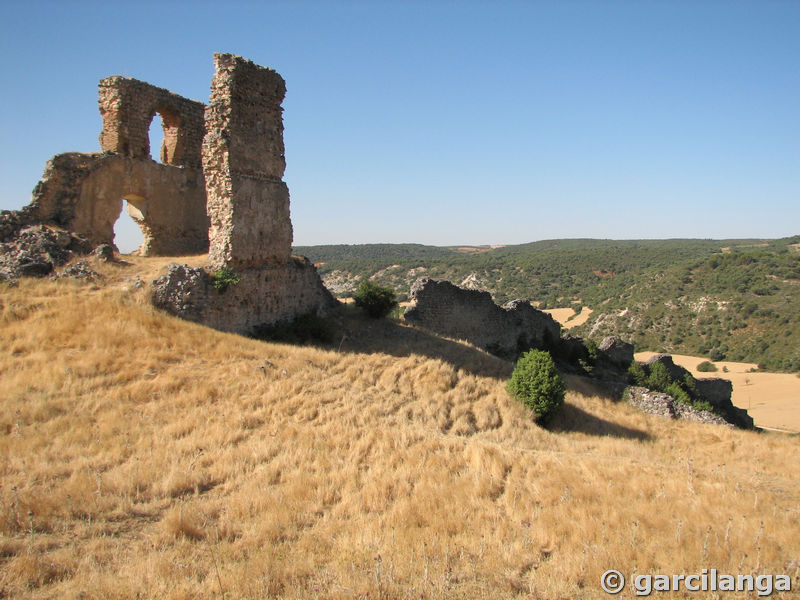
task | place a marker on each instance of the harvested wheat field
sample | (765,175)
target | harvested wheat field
(147,457)
(772,399)
(568,318)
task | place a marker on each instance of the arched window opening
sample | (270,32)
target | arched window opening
(165,136)
(156,133)
(128,236)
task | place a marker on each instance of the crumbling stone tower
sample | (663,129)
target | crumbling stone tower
(243,161)
(250,230)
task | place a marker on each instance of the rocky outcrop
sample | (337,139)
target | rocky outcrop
(617,351)
(36,251)
(471,315)
(663,405)
(676,372)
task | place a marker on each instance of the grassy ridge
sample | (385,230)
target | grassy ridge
(146,457)
(732,299)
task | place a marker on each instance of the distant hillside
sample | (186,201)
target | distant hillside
(370,252)
(733,299)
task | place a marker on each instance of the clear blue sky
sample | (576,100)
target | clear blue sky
(455,122)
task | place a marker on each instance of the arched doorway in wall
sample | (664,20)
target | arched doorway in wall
(164,137)
(130,228)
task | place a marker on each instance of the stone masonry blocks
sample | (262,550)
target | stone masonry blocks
(243,161)
(128,107)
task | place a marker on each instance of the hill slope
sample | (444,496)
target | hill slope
(724,299)
(147,457)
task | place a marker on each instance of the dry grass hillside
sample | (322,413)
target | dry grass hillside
(146,457)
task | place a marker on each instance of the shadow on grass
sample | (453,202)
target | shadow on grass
(586,386)
(574,419)
(354,332)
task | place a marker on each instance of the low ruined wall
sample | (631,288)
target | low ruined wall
(663,405)
(263,296)
(471,315)
(83,193)
(716,391)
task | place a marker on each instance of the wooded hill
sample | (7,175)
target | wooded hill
(724,299)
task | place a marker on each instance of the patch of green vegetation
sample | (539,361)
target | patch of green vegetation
(223,278)
(656,377)
(375,300)
(537,383)
(707,367)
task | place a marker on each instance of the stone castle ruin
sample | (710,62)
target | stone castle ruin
(218,189)
(83,193)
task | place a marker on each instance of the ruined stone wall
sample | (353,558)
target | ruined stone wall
(243,160)
(663,405)
(128,107)
(83,193)
(714,390)
(471,315)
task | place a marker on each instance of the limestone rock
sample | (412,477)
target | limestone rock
(34,252)
(104,253)
(676,372)
(617,351)
(717,392)
(264,295)
(79,270)
(182,292)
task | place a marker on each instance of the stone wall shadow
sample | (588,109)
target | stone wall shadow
(574,419)
(360,334)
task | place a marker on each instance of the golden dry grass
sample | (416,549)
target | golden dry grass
(146,457)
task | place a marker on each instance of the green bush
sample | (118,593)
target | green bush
(658,378)
(223,278)
(377,301)
(537,383)
(706,367)
(637,374)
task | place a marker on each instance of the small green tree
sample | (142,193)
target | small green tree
(637,375)
(658,377)
(377,301)
(537,383)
